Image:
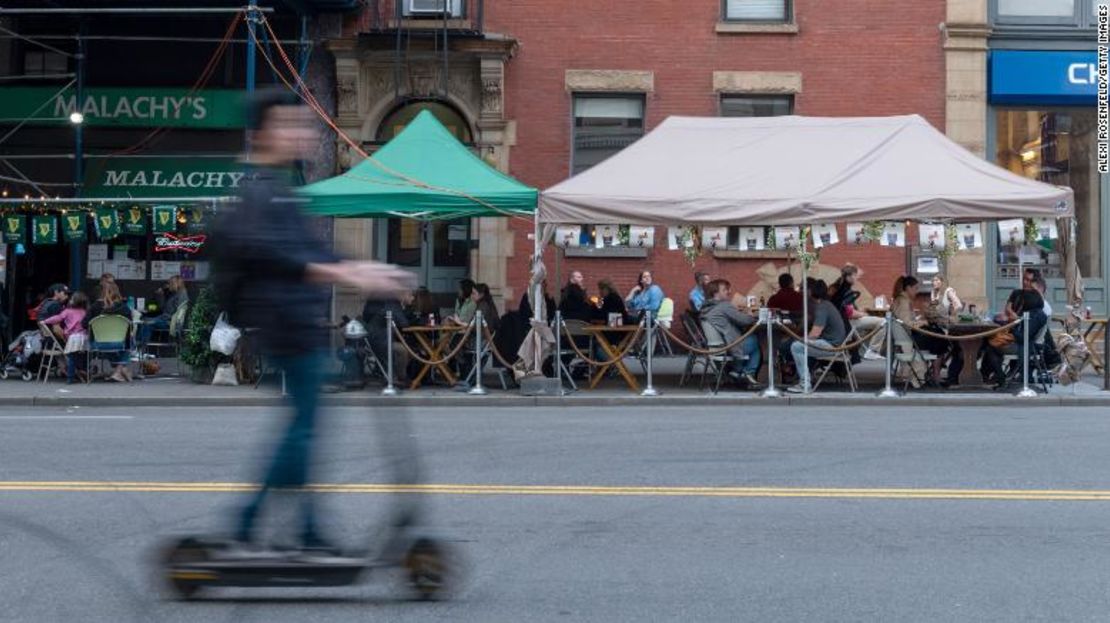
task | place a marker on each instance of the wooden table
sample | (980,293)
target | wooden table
(627,333)
(970,348)
(434,340)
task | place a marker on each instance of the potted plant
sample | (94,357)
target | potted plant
(195,351)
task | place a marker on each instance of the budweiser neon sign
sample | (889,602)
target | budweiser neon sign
(170,242)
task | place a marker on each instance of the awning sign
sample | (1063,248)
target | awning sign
(162,177)
(125,107)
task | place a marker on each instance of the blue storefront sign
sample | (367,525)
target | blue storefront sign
(1047,78)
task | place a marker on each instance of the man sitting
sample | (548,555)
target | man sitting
(828,330)
(575,305)
(787,299)
(698,294)
(719,313)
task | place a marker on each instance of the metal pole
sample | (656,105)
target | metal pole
(1105,354)
(252,6)
(771,391)
(389,390)
(478,390)
(888,391)
(805,326)
(1026,391)
(559,349)
(75,268)
(650,390)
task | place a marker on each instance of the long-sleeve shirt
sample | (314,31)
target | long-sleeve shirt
(71,320)
(647,300)
(697,298)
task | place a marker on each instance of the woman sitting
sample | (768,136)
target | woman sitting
(111,302)
(646,296)
(905,289)
(944,305)
(75,334)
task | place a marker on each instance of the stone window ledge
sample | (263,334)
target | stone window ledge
(626,252)
(737,254)
(756,28)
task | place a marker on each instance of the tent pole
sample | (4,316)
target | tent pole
(805,324)
(537,293)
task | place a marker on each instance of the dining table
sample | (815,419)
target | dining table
(434,340)
(969,348)
(603,335)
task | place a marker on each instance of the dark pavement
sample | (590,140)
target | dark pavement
(686,514)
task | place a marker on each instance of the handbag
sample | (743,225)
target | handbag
(225,375)
(1002,339)
(224,336)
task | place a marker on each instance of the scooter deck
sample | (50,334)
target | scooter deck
(271,572)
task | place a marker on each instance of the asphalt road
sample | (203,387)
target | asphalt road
(685,515)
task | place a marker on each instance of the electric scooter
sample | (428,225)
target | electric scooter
(192,564)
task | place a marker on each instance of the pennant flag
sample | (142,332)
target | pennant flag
(677,237)
(196,222)
(73,227)
(752,239)
(107,223)
(568,236)
(606,236)
(639,236)
(931,236)
(969,236)
(714,238)
(45,229)
(1046,229)
(1011,232)
(894,234)
(164,219)
(15,229)
(133,223)
(855,233)
(824,235)
(787,237)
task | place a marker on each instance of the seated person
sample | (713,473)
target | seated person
(525,308)
(999,346)
(483,299)
(827,330)
(787,299)
(575,305)
(110,302)
(845,298)
(374,320)
(698,294)
(465,304)
(905,288)
(171,297)
(645,296)
(719,313)
(53,304)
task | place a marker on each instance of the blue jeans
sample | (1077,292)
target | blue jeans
(749,348)
(74,362)
(148,328)
(116,353)
(289,467)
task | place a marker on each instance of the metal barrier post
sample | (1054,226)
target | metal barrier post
(888,391)
(559,350)
(477,390)
(772,356)
(389,389)
(1026,391)
(649,389)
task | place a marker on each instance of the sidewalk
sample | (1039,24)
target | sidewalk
(170,391)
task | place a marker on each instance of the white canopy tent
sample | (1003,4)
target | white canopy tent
(795,171)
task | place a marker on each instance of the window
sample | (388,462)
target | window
(40,63)
(604,125)
(1036,8)
(756,105)
(433,8)
(1056,146)
(758,10)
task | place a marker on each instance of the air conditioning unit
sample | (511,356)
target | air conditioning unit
(433,7)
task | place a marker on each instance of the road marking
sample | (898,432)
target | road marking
(577,490)
(67,417)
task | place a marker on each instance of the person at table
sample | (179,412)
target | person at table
(1036,281)
(699,293)
(110,302)
(53,304)
(1011,342)
(171,297)
(945,298)
(828,330)
(610,303)
(483,300)
(525,308)
(845,297)
(374,320)
(719,313)
(944,305)
(905,289)
(465,304)
(645,296)
(787,298)
(75,335)
(574,304)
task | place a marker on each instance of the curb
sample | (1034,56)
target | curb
(1102,399)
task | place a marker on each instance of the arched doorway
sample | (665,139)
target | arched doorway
(437,252)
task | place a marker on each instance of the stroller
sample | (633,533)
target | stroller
(360,363)
(22,355)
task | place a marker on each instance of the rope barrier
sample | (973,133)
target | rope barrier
(428,362)
(710,351)
(589,361)
(834,349)
(958,338)
(493,348)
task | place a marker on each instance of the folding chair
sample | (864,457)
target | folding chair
(575,330)
(664,319)
(170,338)
(832,358)
(907,354)
(715,364)
(1038,371)
(697,339)
(107,332)
(52,349)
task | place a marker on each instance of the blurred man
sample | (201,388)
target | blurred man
(268,272)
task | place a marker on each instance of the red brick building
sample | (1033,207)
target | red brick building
(658,58)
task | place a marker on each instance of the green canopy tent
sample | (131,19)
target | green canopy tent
(424,173)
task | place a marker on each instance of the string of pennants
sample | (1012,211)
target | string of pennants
(931,236)
(108,223)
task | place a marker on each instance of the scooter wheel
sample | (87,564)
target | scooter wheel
(27,375)
(182,552)
(428,570)
(4,374)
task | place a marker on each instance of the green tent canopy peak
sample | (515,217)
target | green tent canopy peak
(423,173)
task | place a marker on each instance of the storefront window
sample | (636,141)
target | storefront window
(1056,147)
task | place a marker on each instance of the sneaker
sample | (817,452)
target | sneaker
(750,380)
(871,355)
(796,389)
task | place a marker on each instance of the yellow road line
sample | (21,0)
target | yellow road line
(577,490)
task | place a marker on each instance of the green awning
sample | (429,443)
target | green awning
(424,173)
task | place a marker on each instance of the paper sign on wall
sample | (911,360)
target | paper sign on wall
(787,237)
(894,234)
(1046,229)
(969,236)
(714,238)
(642,237)
(825,235)
(931,237)
(1011,232)
(606,235)
(752,239)
(674,235)
(98,253)
(854,233)
(570,236)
